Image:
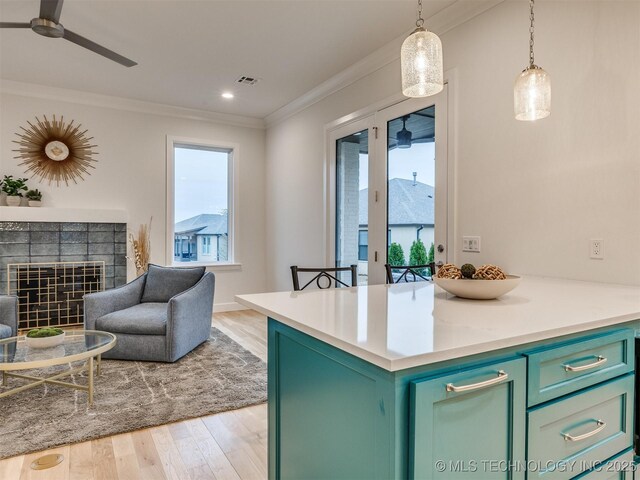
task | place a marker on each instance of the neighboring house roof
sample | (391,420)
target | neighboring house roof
(203,224)
(409,203)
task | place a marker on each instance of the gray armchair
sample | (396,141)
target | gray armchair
(8,316)
(160,316)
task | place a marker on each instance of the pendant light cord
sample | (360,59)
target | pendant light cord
(531,28)
(420,20)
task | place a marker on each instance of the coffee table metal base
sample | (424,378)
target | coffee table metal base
(53,380)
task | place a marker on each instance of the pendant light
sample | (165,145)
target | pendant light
(532,91)
(403,137)
(421,61)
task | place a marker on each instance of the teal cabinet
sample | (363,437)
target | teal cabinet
(554,371)
(621,467)
(330,414)
(498,415)
(566,437)
(469,424)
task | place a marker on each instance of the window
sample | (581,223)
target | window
(206,245)
(200,203)
(363,245)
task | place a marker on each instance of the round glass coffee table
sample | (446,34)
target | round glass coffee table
(79,345)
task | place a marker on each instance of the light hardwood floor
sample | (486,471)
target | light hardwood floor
(230,445)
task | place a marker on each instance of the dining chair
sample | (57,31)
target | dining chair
(410,273)
(328,274)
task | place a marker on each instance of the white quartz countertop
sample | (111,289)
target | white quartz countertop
(408,325)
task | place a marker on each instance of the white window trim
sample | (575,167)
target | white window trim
(233,187)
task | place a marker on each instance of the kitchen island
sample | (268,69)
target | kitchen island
(406,381)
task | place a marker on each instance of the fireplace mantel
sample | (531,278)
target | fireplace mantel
(50,214)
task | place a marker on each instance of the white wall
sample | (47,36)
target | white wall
(536,193)
(131,175)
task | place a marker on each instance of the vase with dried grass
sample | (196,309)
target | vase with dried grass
(141,248)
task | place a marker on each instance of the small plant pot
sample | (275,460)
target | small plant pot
(45,342)
(35,203)
(13,200)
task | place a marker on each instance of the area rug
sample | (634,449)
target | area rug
(217,376)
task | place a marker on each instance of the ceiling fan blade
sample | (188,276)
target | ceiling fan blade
(50,9)
(14,25)
(99,49)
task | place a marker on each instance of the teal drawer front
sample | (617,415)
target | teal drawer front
(554,372)
(580,430)
(455,433)
(617,468)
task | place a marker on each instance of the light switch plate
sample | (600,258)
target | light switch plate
(471,244)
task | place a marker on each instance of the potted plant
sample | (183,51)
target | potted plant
(34,197)
(45,337)
(14,187)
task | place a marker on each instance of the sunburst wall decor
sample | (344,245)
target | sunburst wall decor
(55,150)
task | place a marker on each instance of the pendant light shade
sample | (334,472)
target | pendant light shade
(532,94)
(532,90)
(421,61)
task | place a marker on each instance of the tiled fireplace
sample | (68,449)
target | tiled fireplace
(48,247)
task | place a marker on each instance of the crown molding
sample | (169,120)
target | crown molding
(447,19)
(119,103)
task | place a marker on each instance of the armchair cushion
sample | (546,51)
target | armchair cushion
(166,282)
(141,319)
(5,331)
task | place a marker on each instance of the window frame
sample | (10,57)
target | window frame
(232,200)
(363,232)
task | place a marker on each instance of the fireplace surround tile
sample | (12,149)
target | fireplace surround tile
(44,237)
(73,249)
(31,242)
(8,236)
(101,227)
(45,249)
(73,227)
(74,237)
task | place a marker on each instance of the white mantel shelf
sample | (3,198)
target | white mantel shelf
(50,214)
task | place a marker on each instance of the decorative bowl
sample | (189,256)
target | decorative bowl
(45,342)
(478,289)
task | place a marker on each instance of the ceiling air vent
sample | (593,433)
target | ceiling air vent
(246,80)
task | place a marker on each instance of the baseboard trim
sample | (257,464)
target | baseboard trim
(228,307)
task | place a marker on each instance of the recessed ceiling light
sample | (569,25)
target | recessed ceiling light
(227,95)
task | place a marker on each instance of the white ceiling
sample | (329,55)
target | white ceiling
(190,51)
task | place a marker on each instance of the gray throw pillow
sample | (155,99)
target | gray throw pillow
(165,282)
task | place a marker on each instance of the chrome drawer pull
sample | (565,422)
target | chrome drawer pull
(577,438)
(601,361)
(502,376)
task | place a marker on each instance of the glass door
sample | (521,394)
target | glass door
(387,180)
(413,186)
(351,155)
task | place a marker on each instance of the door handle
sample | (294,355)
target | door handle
(440,248)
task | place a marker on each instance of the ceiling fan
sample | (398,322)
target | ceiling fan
(47,25)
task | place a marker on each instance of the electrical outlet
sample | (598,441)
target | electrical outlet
(597,248)
(471,244)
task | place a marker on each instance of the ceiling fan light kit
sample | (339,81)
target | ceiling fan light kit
(48,25)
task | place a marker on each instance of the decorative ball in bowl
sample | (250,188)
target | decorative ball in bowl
(485,283)
(45,337)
